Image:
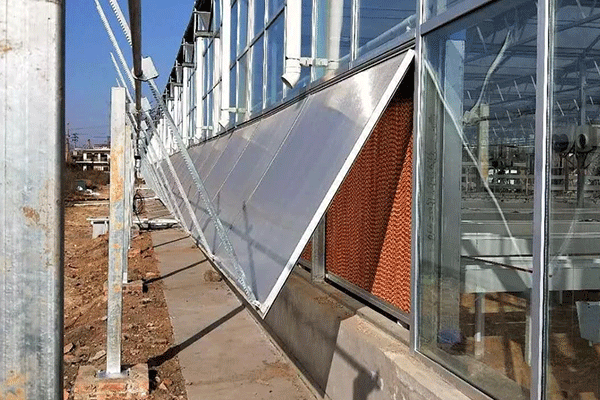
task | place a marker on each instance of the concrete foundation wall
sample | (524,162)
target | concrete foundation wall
(349,351)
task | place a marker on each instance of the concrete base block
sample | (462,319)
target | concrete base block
(135,287)
(89,387)
(347,350)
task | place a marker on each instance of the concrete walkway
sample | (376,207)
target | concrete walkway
(223,352)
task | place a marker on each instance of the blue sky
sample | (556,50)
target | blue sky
(89,71)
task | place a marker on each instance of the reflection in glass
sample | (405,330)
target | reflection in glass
(274,7)
(234,29)
(210,59)
(477,193)
(205,111)
(574,254)
(243,25)
(437,7)
(334,33)
(274,61)
(191,102)
(242,87)
(217,15)
(259,16)
(209,114)
(257,75)
(381,21)
(232,93)
(305,48)
(306,41)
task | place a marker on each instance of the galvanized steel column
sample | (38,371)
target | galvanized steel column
(31,219)
(318,252)
(117,252)
(128,193)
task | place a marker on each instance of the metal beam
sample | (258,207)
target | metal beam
(31,216)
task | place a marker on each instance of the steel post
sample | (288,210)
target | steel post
(318,252)
(128,193)
(117,253)
(31,219)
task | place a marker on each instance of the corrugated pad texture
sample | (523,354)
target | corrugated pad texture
(307,252)
(369,221)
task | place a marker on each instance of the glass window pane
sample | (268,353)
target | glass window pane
(476,211)
(206,71)
(216,59)
(574,256)
(381,21)
(275,61)
(243,24)
(209,113)
(217,15)
(242,87)
(234,27)
(232,93)
(274,7)
(334,32)
(257,75)
(437,7)
(210,67)
(259,16)
(306,42)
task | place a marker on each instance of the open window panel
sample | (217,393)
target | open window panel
(280,174)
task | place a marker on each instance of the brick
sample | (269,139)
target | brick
(89,387)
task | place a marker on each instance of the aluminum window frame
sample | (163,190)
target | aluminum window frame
(542,174)
(355,60)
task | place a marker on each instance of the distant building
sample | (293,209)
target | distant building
(97,159)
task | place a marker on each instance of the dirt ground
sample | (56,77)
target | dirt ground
(147,331)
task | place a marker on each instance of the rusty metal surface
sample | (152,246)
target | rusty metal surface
(369,221)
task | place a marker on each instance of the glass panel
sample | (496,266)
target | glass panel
(306,47)
(242,87)
(232,93)
(381,21)
(210,108)
(476,217)
(191,102)
(217,108)
(253,162)
(259,16)
(206,71)
(271,223)
(216,59)
(211,62)
(236,144)
(205,133)
(243,23)
(333,33)
(257,75)
(234,27)
(217,15)
(437,7)
(274,61)
(574,255)
(274,7)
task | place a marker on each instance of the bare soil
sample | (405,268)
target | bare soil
(147,332)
